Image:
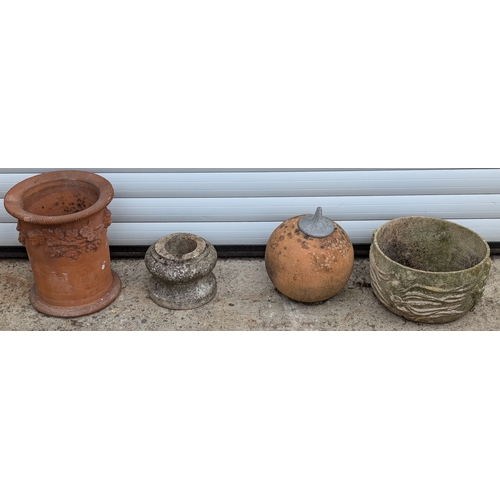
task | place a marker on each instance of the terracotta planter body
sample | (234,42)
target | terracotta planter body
(62,222)
(306,268)
(428,270)
(181,265)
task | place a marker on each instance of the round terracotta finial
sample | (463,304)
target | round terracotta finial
(306,266)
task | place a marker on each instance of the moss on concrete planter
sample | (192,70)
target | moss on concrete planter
(428,270)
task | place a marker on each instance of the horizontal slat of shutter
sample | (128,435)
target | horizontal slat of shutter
(279,209)
(242,233)
(284,183)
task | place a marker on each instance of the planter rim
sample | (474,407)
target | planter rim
(13,201)
(481,263)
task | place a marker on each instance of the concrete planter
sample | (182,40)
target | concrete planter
(428,270)
(62,221)
(181,265)
(309,258)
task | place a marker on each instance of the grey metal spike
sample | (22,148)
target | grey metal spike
(316,225)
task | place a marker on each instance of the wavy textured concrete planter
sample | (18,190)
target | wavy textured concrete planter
(309,258)
(62,221)
(428,270)
(181,265)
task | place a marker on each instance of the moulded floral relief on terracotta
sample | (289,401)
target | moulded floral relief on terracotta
(70,243)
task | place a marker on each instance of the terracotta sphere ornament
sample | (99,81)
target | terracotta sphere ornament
(309,258)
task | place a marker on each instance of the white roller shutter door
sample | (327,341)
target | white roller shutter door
(243,206)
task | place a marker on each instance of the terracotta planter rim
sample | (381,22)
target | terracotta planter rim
(14,199)
(421,271)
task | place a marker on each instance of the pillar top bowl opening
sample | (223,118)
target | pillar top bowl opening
(180,246)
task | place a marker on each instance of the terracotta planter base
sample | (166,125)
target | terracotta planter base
(75,312)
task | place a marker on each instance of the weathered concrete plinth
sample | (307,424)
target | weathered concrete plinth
(181,265)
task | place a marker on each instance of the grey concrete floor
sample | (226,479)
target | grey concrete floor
(246,300)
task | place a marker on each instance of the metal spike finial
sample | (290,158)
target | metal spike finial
(316,225)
